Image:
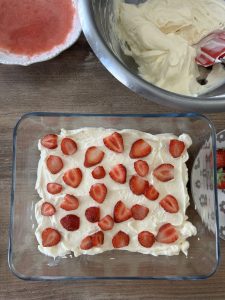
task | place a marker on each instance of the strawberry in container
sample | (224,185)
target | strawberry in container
(221,179)
(220,165)
(220,158)
(97,184)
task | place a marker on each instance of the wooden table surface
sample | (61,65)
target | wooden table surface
(76,82)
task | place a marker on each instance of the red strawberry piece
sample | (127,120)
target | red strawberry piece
(93,156)
(167,234)
(221,179)
(93,214)
(121,212)
(47,209)
(139,212)
(106,223)
(98,172)
(151,192)
(138,185)
(86,243)
(68,146)
(50,141)
(97,239)
(114,142)
(50,237)
(54,164)
(176,148)
(73,177)
(221,185)
(170,204)
(141,167)
(164,172)
(220,158)
(69,202)
(54,188)
(98,192)
(146,239)
(119,173)
(120,240)
(140,149)
(70,222)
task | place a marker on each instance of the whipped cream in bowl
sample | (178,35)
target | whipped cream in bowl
(161,36)
(167,232)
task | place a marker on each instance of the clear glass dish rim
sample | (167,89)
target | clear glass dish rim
(113,278)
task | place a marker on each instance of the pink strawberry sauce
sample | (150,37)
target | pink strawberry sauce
(30,27)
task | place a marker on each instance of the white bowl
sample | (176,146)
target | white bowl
(24,60)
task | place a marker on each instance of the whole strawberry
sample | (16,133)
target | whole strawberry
(220,158)
(221,179)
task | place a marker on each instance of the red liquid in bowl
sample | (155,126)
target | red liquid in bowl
(30,27)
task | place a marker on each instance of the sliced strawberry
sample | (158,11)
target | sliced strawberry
(69,202)
(141,167)
(50,141)
(93,156)
(106,223)
(47,209)
(120,240)
(98,172)
(138,185)
(98,192)
(86,243)
(54,164)
(70,222)
(114,142)
(54,188)
(176,148)
(164,172)
(139,212)
(151,192)
(146,239)
(50,237)
(170,204)
(167,234)
(119,173)
(121,212)
(73,177)
(97,239)
(68,146)
(93,214)
(140,149)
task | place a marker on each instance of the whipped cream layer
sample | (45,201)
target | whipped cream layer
(161,35)
(87,137)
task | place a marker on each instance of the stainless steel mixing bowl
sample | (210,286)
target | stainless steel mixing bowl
(96,17)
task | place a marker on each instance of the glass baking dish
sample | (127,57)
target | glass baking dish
(27,262)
